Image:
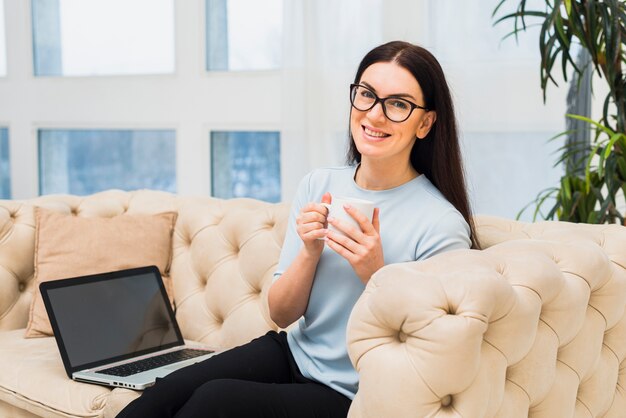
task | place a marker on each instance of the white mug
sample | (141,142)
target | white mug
(336,210)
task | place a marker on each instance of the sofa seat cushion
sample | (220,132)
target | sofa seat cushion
(32,371)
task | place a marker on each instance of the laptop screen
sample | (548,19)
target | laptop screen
(111,317)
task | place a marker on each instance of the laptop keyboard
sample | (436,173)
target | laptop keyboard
(154,362)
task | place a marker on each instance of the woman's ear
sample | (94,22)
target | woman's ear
(426,124)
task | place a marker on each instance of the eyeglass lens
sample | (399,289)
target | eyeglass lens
(395,109)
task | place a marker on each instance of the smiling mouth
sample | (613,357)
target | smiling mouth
(374,134)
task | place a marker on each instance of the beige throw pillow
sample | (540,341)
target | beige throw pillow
(70,246)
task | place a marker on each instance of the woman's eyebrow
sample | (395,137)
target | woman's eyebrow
(369,86)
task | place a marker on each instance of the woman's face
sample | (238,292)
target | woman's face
(375,136)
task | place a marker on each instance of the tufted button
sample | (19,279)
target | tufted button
(446,400)
(500,269)
(74,211)
(186,239)
(402,337)
(21,287)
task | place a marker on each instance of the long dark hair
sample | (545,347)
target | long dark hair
(438,155)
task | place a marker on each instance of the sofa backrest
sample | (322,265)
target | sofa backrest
(223,256)
(582,314)
(532,325)
(17,239)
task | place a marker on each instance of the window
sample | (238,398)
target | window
(5,173)
(3,48)
(102,37)
(246,164)
(243,34)
(88,161)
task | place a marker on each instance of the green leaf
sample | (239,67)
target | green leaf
(539,201)
(611,179)
(588,30)
(516,31)
(564,133)
(612,34)
(588,166)
(564,40)
(605,111)
(604,208)
(566,187)
(612,141)
(621,164)
(590,203)
(495,10)
(599,126)
(540,204)
(552,59)
(554,210)
(600,27)
(578,208)
(518,15)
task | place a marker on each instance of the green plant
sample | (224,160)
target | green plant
(599,26)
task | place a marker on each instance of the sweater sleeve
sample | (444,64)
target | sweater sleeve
(293,243)
(449,232)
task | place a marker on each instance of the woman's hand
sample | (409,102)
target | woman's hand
(311,225)
(361,247)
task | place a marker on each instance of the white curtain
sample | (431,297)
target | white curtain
(324,41)
(504,124)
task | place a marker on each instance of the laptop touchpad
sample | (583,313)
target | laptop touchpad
(176,366)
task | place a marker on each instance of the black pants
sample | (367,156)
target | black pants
(258,379)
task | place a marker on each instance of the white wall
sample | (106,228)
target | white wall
(3,58)
(504,123)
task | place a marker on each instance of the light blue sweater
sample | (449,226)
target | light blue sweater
(416,222)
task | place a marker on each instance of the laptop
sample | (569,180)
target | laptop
(117,328)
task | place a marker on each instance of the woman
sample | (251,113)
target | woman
(404,155)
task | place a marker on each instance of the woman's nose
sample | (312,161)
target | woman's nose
(377,112)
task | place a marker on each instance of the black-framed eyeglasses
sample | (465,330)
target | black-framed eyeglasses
(394,108)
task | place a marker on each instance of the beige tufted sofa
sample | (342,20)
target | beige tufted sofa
(533,325)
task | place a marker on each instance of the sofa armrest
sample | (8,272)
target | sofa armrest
(514,329)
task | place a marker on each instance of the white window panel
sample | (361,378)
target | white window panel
(82,162)
(103,37)
(246,164)
(243,35)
